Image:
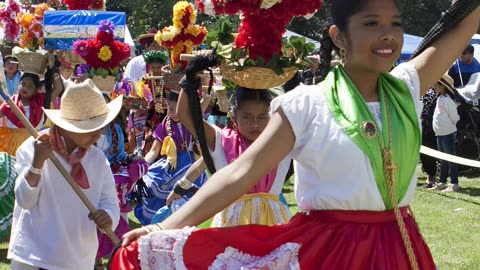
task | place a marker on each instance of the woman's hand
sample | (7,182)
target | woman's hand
(171,197)
(133,235)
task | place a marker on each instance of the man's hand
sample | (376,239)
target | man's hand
(101,218)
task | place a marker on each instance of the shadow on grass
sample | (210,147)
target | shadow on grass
(467,191)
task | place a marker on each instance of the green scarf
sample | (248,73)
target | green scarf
(352,113)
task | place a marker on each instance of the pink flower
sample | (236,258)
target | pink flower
(80,48)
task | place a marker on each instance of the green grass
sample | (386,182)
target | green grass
(450,223)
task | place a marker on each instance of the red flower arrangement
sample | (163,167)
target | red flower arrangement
(7,18)
(102,52)
(84,4)
(183,35)
(263,22)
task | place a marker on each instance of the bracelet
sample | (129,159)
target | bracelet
(184,183)
(153,228)
(177,188)
(35,170)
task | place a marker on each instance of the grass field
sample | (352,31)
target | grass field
(450,223)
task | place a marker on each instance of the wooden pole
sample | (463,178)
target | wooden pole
(57,164)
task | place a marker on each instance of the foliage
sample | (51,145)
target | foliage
(294,53)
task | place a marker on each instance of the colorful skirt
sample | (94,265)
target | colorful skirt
(7,196)
(362,240)
(254,208)
(159,180)
(12,138)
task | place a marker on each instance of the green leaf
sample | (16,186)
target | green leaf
(310,47)
(297,42)
(260,62)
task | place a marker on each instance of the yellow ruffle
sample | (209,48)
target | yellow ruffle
(248,214)
(170,150)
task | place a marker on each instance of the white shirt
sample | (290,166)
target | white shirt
(51,228)
(445,116)
(136,68)
(9,123)
(331,172)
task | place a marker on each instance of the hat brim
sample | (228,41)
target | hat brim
(447,86)
(144,36)
(86,126)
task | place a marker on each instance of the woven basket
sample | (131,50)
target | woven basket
(32,62)
(257,77)
(72,57)
(135,103)
(171,80)
(6,48)
(104,84)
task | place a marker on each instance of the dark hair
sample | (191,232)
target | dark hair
(243,95)
(35,78)
(172,96)
(469,48)
(340,13)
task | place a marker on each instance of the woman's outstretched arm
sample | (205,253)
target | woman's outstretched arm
(231,182)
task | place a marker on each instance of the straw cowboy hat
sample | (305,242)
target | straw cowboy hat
(146,38)
(83,109)
(447,81)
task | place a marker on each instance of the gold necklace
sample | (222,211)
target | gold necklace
(389,168)
(157,90)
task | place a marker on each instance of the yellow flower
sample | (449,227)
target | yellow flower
(193,30)
(158,37)
(25,19)
(105,54)
(25,40)
(169,33)
(41,8)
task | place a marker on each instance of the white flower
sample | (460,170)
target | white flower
(266,4)
(208,7)
(13,15)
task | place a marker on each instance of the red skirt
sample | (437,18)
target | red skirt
(325,240)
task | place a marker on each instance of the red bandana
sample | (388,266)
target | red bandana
(77,172)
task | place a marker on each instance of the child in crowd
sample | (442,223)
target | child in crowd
(175,144)
(261,204)
(445,119)
(126,170)
(30,100)
(51,228)
(12,74)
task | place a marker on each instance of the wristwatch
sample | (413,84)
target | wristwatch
(35,170)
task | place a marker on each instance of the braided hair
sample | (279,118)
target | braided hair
(191,83)
(454,14)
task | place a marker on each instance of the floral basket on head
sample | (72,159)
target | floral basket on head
(180,38)
(103,56)
(31,56)
(259,57)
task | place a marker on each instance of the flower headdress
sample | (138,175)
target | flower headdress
(8,14)
(155,57)
(183,35)
(85,4)
(103,52)
(263,22)
(32,29)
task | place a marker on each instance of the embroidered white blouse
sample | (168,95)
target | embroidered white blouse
(331,172)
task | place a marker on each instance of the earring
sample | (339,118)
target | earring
(342,53)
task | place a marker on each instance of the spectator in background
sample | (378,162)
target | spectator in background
(137,68)
(444,123)
(12,74)
(429,164)
(464,67)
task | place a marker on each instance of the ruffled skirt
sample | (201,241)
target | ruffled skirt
(362,240)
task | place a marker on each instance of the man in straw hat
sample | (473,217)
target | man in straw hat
(444,123)
(51,226)
(136,67)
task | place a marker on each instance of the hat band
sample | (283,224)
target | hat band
(71,119)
